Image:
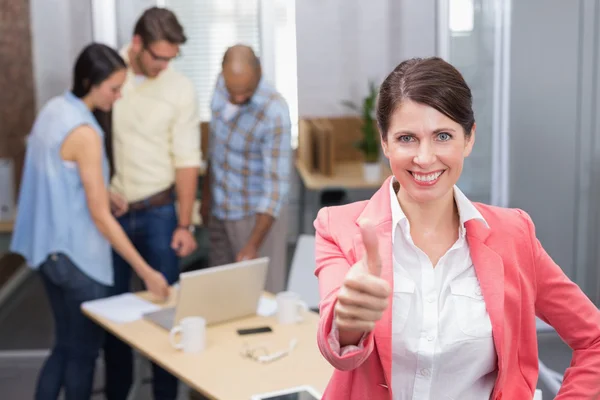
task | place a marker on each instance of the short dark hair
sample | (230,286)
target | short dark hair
(430,81)
(159,24)
(95,64)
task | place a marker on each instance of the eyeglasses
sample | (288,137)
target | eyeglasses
(261,354)
(156,57)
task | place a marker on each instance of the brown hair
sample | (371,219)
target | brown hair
(159,24)
(430,81)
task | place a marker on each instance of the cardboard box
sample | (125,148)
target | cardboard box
(316,146)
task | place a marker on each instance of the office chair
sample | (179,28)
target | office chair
(302,279)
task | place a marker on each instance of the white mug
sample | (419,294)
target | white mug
(193,335)
(290,308)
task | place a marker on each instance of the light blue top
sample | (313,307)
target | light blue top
(52,214)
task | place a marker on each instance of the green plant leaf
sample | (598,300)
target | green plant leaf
(369,144)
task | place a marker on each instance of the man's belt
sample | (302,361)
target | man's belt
(156,200)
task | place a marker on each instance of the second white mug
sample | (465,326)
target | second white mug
(290,308)
(193,335)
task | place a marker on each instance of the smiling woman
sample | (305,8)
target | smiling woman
(440,286)
(431,131)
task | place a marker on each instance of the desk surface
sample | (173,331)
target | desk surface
(6,226)
(347,175)
(220,372)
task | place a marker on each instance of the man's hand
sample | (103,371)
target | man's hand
(363,297)
(262,225)
(183,242)
(248,252)
(118,204)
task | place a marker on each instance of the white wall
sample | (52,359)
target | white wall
(341,44)
(60,30)
(325,54)
(413,29)
(128,13)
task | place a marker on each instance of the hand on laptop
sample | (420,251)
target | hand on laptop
(248,252)
(157,285)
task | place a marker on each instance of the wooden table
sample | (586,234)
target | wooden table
(220,371)
(346,176)
(6,226)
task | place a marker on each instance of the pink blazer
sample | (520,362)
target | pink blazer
(518,279)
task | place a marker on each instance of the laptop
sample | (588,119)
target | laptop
(218,294)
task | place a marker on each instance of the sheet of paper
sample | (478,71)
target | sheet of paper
(122,308)
(266,306)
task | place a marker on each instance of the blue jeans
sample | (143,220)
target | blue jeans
(151,232)
(77,340)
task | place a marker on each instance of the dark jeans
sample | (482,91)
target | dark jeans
(151,232)
(77,340)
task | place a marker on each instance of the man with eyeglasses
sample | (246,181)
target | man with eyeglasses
(155,152)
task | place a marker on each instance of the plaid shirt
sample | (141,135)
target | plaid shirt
(249,154)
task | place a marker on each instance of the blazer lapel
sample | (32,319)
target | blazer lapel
(379,212)
(489,268)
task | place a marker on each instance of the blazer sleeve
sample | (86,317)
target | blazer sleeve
(331,268)
(563,305)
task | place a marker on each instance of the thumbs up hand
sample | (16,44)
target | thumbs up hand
(363,297)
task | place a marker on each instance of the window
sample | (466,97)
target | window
(211,26)
(461,16)
(268,26)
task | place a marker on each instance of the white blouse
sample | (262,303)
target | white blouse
(442,334)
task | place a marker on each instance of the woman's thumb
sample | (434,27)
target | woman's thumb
(371,243)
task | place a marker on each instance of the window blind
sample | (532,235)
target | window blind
(285,64)
(211,26)
(268,26)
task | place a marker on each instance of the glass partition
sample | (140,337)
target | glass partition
(473,36)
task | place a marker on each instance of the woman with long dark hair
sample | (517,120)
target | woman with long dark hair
(64,226)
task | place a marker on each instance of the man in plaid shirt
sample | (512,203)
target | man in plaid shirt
(248,175)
